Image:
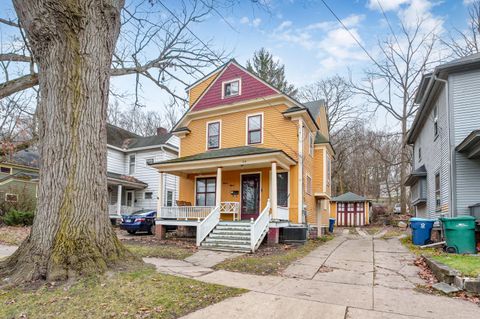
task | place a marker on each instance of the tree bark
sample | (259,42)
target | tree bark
(72,43)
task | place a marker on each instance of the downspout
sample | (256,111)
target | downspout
(300,171)
(452,204)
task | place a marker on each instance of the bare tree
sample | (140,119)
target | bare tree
(392,82)
(71,53)
(337,94)
(466,42)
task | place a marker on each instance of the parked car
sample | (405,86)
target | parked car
(141,220)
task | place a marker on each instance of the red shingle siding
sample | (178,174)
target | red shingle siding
(251,88)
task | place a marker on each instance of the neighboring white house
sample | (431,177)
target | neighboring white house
(132,183)
(445,134)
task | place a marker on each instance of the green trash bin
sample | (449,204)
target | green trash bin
(460,234)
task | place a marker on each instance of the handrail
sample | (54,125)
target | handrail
(230,208)
(258,227)
(184,212)
(208,224)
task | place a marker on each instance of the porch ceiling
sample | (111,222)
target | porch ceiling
(470,145)
(237,158)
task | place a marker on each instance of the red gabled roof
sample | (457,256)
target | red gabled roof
(251,88)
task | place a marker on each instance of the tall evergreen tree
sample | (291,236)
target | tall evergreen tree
(265,67)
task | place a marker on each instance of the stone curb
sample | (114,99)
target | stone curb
(450,276)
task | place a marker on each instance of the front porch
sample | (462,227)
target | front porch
(121,194)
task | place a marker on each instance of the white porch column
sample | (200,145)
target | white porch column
(273,195)
(119,199)
(218,193)
(160,194)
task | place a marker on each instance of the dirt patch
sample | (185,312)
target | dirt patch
(11,235)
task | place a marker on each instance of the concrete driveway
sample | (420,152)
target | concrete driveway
(353,277)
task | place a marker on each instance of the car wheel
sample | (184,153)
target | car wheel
(131,232)
(150,230)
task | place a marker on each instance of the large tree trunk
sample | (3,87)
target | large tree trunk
(72,43)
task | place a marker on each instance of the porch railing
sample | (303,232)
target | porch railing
(259,226)
(185,212)
(208,224)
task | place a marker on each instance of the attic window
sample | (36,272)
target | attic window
(231,88)
(5,170)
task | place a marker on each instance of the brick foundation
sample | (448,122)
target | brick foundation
(186,231)
(160,231)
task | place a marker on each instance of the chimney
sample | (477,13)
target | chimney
(161,131)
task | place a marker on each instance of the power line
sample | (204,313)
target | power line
(389,25)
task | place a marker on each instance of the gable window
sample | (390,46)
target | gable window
(282,189)
(308,185)
(148,195)
(213,135)
(205,191)
(438,201)
(419,154)
(131,164)
(311,143)
(231,88)
(435,121)
(169,198)
(5,170)
(149,161)
(12,198)
(254,129)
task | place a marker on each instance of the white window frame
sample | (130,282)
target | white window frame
(130,172)
(145,195)
(438,192)
(288,186)
(166,197)
(329,170)
(239,80)
(308,185)
(261,131)
(435,122)
(9,168)
(219,134)
(152,159)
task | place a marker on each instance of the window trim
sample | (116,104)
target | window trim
(307,184)
(435,122)
(11,201)
(207,125)
(145,195)
(283,171)
(130,163)
(166,198)
(147,159)
(214,177)
(311,144)
(247,117)
(239,80)
(9,169)
(438,202)
(329,171)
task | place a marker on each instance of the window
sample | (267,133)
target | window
(341,207)
(254,129)
(311,142)
(5,170)
(131,165)
(282,189)
(148,195)
(360,207)
(435,121)
(308,185)
(169,198)
(213,135)
(350,207)
(149,161)
(12,198)
(329,170)
(205,191)
(437,192)
(419,153)
(231,88)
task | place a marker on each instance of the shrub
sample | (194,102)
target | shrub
(17,218)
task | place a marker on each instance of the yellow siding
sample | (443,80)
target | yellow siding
(279,132)
(198,89)
(318,170)
(309,199)
(367,213)
(322,122)
(333,210)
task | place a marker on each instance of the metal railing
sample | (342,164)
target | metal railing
(259,226)
(208,224)
(185,212)
(230,208)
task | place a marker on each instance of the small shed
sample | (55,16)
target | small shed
(350,210)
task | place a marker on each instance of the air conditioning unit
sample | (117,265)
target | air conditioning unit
(293,234)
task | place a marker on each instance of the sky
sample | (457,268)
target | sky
(305,36)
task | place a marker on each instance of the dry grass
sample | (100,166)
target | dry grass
(160,250)
(136,294)
(10,235)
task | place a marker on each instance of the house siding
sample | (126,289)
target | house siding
(196,91)
(115,161)
(465,97)
(435,158)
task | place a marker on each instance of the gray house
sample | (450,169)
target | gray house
(445,135)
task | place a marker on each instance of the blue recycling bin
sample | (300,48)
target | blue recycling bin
(421,230)
(331,222)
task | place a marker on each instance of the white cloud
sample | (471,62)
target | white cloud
(387,5)
(256,22)
(244,20)
(468,2)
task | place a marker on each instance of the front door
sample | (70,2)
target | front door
(129,200)
(250,199)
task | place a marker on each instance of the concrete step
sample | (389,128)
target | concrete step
(223,248)
(226,246)
(227,241)
(245,228)
(230,236)
(239,223)
(230,232)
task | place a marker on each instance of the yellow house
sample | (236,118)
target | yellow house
(252,160)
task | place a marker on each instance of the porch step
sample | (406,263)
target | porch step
(232,232)
(229,227)
(226,247)
(227,241)
(229,236)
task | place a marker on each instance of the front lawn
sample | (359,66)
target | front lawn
(467,265)
(159,250)
(143,293)
(270,260)
(13,235)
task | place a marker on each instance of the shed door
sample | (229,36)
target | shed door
(350,214)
